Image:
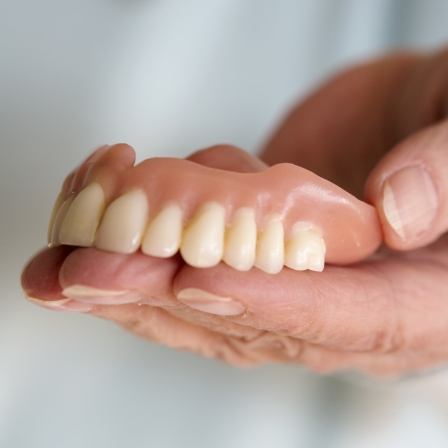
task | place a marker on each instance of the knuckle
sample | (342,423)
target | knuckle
(388,340)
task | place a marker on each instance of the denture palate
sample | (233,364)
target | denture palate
(283,216)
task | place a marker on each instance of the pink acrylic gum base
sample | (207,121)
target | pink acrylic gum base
(350,227)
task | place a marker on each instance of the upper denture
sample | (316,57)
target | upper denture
(229,216)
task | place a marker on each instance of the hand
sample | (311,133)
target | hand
(384,316)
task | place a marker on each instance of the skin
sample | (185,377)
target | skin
(386,315)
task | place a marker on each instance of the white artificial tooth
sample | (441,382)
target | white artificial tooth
(163,235)
(124,223)
(305,249)
(270,246)
(203,240)
(54,212)
(241,240)
(58,220)
(83,216)
(316,261)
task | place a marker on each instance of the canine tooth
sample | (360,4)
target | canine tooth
(305,249)
(123,224)
(54,212)
(163,236)
(58,219)
(270,246)
(83,216)
(241,240)
(203,240)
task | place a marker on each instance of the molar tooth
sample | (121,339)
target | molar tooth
(83,216)
(270,246)
(163,236)
(203,240)
(241,240)
(123,224)
(305,249)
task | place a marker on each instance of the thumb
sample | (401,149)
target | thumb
(409,188)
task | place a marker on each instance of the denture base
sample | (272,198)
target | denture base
(284,215)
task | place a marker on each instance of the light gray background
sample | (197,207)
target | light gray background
(169,77)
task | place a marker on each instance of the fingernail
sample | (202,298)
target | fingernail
(61,305)
(97,296)
(409,201)
(210,303)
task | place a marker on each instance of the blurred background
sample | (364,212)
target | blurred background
(170,77)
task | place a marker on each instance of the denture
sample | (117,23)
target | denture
(282,216)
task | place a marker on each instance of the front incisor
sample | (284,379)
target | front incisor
(124,223)
(163,236)
(241,240)
(83,216)
(270,246)
(203,240)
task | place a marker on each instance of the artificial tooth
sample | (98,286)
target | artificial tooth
(54,212)
(270,246)
(163,236)
(241,240)
(203,240)
(316,261)
(305,249)
(58,219)
(83,216)
(124,223)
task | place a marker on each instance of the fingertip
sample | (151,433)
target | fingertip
(245,295)
(408,188)
(39,278)
(90,274)
(407,203)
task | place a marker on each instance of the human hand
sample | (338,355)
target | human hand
(368,316)
(381,128)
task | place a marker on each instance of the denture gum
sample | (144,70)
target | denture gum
(282,216)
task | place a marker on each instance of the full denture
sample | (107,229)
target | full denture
(282,216)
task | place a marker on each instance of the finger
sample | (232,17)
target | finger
(40,275)
(348,122)
(98,277)
(40,279)
(409,188)
(330,308)
(375,306)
